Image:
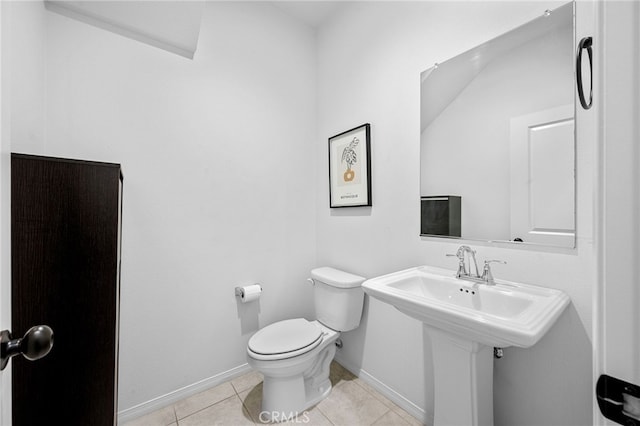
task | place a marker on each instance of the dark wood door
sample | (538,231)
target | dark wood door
(65,274)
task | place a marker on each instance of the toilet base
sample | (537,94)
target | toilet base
(288,391)
(283,400)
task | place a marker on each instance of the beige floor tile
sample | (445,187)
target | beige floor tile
(366,386)
(388,403)
(312,417)
(407,417)
(161,417)
(246,381)
(350,405)
(351,402)
(252,400)
(203,400)
(391,419)
(227,412)
(338,373)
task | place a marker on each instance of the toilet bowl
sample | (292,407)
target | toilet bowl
(296,382)
(294,355)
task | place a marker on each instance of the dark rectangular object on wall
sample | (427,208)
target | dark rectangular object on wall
(441,215)
(65,237)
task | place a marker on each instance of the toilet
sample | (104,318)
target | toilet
(294,355)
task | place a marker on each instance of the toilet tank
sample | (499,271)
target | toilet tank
(338,297)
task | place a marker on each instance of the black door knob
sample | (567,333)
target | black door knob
(36,343)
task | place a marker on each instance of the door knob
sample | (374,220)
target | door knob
(36,343)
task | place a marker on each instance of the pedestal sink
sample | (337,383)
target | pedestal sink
(465,321)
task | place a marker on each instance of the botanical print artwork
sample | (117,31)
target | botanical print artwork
(349,168)
(350,157)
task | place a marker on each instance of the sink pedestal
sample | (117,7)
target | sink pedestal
(463,380)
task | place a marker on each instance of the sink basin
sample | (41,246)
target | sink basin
(506,314)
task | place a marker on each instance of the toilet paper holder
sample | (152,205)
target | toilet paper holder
(618,400)
(240,291)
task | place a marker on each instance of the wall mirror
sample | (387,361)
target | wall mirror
(498,140)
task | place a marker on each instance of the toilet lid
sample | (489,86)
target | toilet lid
(285,336)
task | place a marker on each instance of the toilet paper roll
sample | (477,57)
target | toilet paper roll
(249,293)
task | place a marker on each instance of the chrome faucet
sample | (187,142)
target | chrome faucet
(462,266)
(463,273)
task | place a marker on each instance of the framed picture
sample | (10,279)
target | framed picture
(350,168)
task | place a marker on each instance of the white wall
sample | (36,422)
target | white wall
(219,186)
(369,61)
(473,132)
(27,75)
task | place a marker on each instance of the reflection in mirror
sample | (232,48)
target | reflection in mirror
(497,138)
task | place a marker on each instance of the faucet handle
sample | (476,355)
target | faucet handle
(487,276)
(462,270)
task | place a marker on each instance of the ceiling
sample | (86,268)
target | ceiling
(312,13)
(171,25)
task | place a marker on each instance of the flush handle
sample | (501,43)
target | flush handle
(36,343)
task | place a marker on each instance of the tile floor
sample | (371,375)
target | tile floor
(351,402)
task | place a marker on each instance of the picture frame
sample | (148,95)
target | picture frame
(350,168)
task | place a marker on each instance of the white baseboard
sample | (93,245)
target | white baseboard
(386,391)
(182,393)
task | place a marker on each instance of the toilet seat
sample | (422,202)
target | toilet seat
(285,339)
